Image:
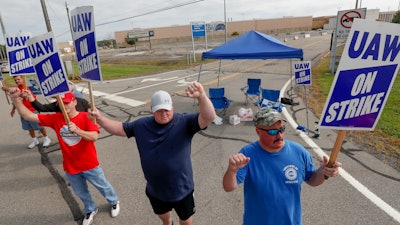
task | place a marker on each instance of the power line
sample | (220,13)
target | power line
(143,14)
(151,12)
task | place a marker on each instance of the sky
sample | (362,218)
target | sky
(27,15)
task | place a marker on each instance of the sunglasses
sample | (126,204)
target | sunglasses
(273,132)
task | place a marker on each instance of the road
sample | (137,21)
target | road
(34,191)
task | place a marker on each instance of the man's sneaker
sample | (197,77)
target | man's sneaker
(46,141)
(34,142)
(89,217)
(115,210)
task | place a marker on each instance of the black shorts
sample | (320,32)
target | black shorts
(184,208)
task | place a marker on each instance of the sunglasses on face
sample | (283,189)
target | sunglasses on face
(273,132)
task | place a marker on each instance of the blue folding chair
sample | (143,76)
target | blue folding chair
(252,90)
(270,99)
(219,101)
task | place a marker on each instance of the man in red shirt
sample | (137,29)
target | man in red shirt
(76,140)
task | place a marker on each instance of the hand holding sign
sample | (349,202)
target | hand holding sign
(366,72)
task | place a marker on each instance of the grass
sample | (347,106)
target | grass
(384,141)
(121,69)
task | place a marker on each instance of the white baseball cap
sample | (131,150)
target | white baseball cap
(161,100)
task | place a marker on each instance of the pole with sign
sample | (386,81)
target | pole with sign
(2,85)
(365,76)
(83,34)
(302,76)
(344,21)
(198,30)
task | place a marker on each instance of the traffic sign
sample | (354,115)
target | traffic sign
(345,20)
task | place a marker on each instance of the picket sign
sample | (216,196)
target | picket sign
(83,34)
(49,67)
(362,83)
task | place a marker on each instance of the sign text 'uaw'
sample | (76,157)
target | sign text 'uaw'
(18,56)
(48,65)
(302,73)
(366,72)
(83,33)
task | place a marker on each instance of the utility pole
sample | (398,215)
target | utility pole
(226,27)
(3,55)
(46,16)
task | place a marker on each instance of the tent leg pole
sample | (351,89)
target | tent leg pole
(219,71)
(201,65)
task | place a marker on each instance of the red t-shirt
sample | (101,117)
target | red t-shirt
(26,102)
(78,154)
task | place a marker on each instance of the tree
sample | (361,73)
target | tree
(130,41)
(104,43)
(396,18)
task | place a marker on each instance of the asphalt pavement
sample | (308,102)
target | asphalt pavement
(34,188)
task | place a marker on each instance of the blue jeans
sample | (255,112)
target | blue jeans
(97,179)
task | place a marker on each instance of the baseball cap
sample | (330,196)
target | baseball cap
(68,97)
(267,117)
(161,100)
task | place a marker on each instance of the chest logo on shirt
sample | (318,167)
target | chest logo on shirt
(68,137)
(290,174)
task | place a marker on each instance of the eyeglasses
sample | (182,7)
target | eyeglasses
(273,132)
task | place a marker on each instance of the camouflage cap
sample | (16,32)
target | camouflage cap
(267,117)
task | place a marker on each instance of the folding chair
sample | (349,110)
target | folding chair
(252,90)
(218,99)
(270,99)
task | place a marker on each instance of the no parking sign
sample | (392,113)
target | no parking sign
(366,73)
(345,20)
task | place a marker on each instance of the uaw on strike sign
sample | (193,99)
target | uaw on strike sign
(83,33)
(365,75)
(48,65)
(18,56)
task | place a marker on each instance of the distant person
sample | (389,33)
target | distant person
(272,170)
(28,125)
(82,105)
(164,143)
(80,161)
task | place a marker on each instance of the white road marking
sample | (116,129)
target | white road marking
(157,79)
(131,102)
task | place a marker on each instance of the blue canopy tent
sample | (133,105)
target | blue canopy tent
(252,45)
